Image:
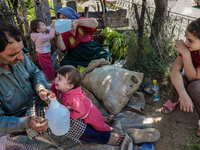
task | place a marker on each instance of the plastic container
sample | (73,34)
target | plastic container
(156,93)
(62,25)
(58,116)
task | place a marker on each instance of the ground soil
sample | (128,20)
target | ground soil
(177,128)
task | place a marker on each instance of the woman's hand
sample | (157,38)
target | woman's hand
(74,24)
(186,103)
(44,93)
(52,25)
(181,48)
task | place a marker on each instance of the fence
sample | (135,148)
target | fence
(148,59)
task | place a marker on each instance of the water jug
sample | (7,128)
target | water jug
(58,116)
(62,25)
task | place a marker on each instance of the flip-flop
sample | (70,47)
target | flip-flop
(146,146)
(198,131)
(143,135)
(169,105)
(146,88)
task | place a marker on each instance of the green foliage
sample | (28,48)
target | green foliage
(149,60)
(81,68)
(116,43)
(30,9)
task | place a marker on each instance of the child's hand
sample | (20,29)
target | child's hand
(181,48)
(52,25)
(186,103)
(69,107)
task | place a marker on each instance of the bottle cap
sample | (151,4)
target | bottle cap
(154,81)
(48,27)
(52,95)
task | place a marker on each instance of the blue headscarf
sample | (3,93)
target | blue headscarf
(69,12)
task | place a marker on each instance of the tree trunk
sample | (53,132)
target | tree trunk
(26,25)
(140,23)
(38,9)
(47,20)
(57,6)
(159,20)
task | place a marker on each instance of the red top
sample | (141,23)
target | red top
(75,98)
(195,58)
(83,34)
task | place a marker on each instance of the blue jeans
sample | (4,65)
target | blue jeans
(92,135)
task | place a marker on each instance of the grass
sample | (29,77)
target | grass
(193,141)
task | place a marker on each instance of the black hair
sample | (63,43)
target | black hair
(34,25)
(74,75)
(194,28)
(7,29)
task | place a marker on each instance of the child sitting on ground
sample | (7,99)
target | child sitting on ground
(185,87)
(67,87)
(43,46)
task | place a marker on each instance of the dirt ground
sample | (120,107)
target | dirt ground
(177,129)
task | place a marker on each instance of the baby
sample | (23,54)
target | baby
(43,46)
(67,87)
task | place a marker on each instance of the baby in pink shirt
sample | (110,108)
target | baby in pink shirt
(43,46)
(67,87)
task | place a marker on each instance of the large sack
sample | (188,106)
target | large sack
(111,84)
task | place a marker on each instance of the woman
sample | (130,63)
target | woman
(78,43)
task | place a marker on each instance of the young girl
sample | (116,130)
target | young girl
(186,87)
(43,46)
(67,88)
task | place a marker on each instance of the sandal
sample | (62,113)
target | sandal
(170,106)
(198,131)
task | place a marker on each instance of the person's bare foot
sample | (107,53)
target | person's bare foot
(116,139)
(108,119)
(112,129)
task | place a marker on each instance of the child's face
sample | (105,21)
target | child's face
(192,42)
(62,83)
(42,27)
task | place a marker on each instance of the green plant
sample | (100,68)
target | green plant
(148,60)
(116,43)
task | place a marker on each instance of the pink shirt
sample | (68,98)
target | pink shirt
(42,41)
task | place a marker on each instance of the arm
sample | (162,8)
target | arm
(88,22)
(191,72)
(78,109)
(35,75)
(177,80)
(10,124)
(59,43)
(46,37)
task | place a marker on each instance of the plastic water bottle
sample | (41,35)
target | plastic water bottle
(58,116)
(63,25)
(156,93)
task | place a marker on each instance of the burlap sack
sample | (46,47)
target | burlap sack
(110,84)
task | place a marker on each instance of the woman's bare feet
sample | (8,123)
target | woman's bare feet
(112,129)
(116,139)
(107,119)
